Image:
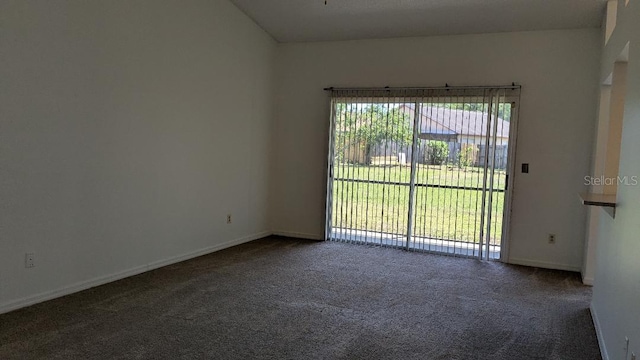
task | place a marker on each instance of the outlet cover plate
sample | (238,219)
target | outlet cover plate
(29,260)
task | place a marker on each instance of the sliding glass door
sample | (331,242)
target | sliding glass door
(422,169)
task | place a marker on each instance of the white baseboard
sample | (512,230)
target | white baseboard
(543,264)
(48,295)
(596,324)
(299,235)
(587,281)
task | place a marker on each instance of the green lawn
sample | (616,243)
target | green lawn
(439,213)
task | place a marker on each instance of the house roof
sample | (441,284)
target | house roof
(440,120)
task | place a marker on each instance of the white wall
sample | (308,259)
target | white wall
(128,130)
(616,292)
(558,71)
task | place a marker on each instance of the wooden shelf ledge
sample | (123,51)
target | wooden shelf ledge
(604,200)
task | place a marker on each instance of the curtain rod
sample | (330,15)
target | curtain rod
(513,86)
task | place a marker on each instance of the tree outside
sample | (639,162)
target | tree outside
(366,126)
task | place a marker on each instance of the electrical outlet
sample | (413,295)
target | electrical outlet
(228,218)
(29,260)
(552,238)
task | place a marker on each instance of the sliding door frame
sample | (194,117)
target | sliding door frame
(330,165)
(514,100)
(511,172)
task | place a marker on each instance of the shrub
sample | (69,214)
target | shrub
(465,157)
(437,152)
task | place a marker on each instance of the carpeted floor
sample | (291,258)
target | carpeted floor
(294,299)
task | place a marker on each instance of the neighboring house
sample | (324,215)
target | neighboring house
(462,126)
(460,129)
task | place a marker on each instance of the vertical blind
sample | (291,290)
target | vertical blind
(422,169)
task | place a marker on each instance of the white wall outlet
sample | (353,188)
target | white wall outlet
(29,260)
(228,218)
(552,238)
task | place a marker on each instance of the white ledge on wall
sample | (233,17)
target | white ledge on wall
(606,201)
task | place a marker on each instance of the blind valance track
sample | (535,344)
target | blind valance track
(442,92)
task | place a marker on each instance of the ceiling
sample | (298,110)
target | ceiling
(312,20)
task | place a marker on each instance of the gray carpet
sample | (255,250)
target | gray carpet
(293,299)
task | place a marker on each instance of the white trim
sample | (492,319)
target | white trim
(328,210)
(511,181)
(543,264)
(587,281)
(298,235)
(83,285)
(596,324)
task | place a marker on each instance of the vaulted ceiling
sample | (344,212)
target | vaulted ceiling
(312,20)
